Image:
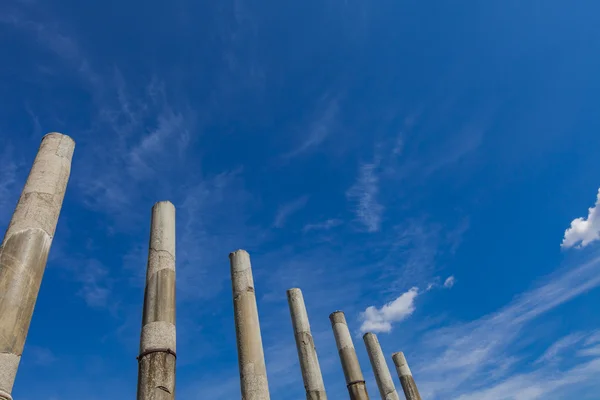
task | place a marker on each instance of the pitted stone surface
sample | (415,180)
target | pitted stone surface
(409,387)
(307,352)
(43,193)
(401,364)
(251,359)
(343,339)
(25,249)
(298,311)
(162,237)
(158,335)
(156,375)
(387,390)
(159,260)
(9,364)
(348,358)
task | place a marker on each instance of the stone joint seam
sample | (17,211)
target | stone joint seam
(27,230)
(354,383)
(150,351)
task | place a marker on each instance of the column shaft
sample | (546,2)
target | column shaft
(355,382)
(406,379)
(253,372)
(156,372)
(387,390)
(307,352)
(25,249)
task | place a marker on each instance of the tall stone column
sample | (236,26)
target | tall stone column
(251,358)
(406,379)
(380,368)
(355,382)
(307,352)
(25,248)
(156,362)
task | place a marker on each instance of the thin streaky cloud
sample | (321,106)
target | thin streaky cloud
(364,197)
(322,226)
(456,354)
(319,129)
(287,210)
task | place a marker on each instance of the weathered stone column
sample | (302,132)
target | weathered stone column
(25,248)
(406,379)
(307,353)
(156,362)
(380,368)
(355,382)
(251,358)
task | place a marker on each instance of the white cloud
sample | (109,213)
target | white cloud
(287,210)
(545,382)
(322,226)
(478,359)
(364,194)
(381,320)
(449,282)
(554,352)
(584,231)
(320,128)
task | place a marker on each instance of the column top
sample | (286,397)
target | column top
(57,134)
(238,252)
(369,334)
(338,317)
(401,364)
(163,202)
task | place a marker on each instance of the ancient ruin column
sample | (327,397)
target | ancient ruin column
(406,379)
(307,353)
(25,248)
(156,362)
(355,382)
(380,368)
(251,358)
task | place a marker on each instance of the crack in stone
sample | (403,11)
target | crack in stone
(163,389)
(162,251)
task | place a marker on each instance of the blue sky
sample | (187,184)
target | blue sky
(362,151)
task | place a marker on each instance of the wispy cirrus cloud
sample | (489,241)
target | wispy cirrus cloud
(479,359)
(320,128)
(322,226)
(554,352)
(287,210)
(584,231)
(363,195)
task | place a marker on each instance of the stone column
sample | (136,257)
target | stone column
(307,353)
(380,368)
(406,379)
(251,358)
(355,382)
(156,362)
(25,248)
